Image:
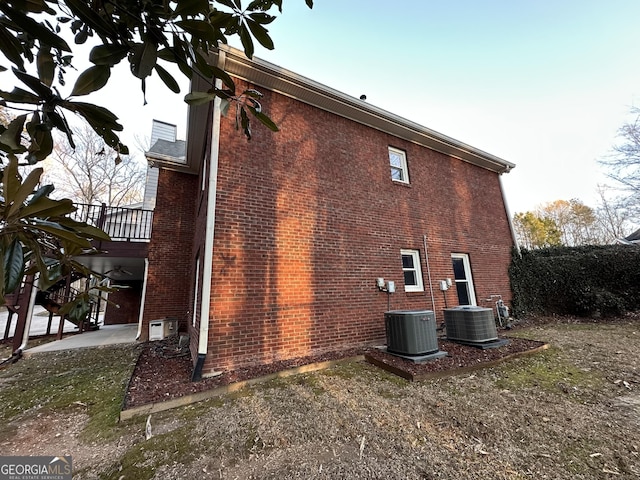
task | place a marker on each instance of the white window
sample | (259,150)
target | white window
(463,280)
(411,270)
(398,162)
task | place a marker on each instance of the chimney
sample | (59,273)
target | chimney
(163,131)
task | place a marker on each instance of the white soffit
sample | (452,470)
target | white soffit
(280,80)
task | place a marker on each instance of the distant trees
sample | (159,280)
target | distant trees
(535,231)
(562,222)
(91,173)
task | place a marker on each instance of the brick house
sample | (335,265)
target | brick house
(272,248)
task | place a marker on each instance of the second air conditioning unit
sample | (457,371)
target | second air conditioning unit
(470,324)
(411,332)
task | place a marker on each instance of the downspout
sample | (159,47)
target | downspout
(426,256)
(509,220)
(27,326)
(144,296)
(207,261)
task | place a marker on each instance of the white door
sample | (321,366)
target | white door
(463,279)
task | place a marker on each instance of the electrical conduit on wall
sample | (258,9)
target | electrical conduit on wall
(426,256)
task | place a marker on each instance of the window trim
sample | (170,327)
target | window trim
(417,269)
(469,280)
(403,168)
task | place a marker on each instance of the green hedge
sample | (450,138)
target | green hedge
(583,281)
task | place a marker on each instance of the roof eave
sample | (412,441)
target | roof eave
(280,80)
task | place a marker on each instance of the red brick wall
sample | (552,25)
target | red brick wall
(128,299)
(170,251)
(308,218)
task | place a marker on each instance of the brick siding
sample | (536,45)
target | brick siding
(169,280)
(308,218)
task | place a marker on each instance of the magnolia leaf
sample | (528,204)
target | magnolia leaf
(199,29)
(18,95)
(224,76)
(11,180)
(87,230)
(245,38)
(35,29)
(199,98)
(91,80)
(92,18)
(143,59)
(43,191)
(261,17)
(11,48)
(12,135)
(44,207)
(34,84)
(168,79)
(60,123)
(13,265)
(108,55)
(260,33)
(46,67)
(266,121)
(23,191)
(59,232)
(41,142)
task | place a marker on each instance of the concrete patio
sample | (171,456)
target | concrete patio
(105,335)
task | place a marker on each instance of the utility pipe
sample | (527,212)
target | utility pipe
(426,256)
(144,296)
(27,326)
(207,260)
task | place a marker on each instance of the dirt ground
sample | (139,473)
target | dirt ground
(569,412)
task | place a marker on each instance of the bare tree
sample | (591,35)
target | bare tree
(624,164)
(92,174)
(613,218)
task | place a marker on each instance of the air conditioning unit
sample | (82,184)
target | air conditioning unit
(162,328)
(470,324)
(411,332)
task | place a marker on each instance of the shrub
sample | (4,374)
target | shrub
(584,281)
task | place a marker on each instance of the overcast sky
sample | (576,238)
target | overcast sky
(543,84)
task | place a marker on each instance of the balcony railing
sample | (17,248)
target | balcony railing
(122,224)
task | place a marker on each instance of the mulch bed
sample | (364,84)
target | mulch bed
(459,359)
(163,370)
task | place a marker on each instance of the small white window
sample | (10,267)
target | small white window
(398,162)
(412,271)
